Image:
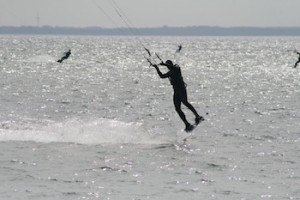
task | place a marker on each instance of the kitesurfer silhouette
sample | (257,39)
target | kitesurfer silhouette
(66,56)
(179,49)
(180,94)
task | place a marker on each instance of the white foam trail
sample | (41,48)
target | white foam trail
(41,59)
(84,132)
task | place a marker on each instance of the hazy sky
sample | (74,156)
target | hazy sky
(151,13)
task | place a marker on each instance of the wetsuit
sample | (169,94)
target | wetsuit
(180,94)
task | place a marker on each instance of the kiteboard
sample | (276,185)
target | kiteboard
(193,126)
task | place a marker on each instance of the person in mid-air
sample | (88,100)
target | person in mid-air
(179,49)
(180,94)
(298,59)
(66,56)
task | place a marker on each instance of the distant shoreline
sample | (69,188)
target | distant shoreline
(154,31)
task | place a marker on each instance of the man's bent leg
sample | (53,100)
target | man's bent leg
(177,104)
(189,106)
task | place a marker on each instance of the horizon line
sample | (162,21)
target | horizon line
(163,26)
(159,31)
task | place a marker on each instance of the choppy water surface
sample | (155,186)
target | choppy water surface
(102,124)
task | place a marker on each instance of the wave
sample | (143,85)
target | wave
(98,131)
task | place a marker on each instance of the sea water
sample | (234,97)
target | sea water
(102,125)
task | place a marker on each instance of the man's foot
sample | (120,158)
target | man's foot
(199,119)
(189,128)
